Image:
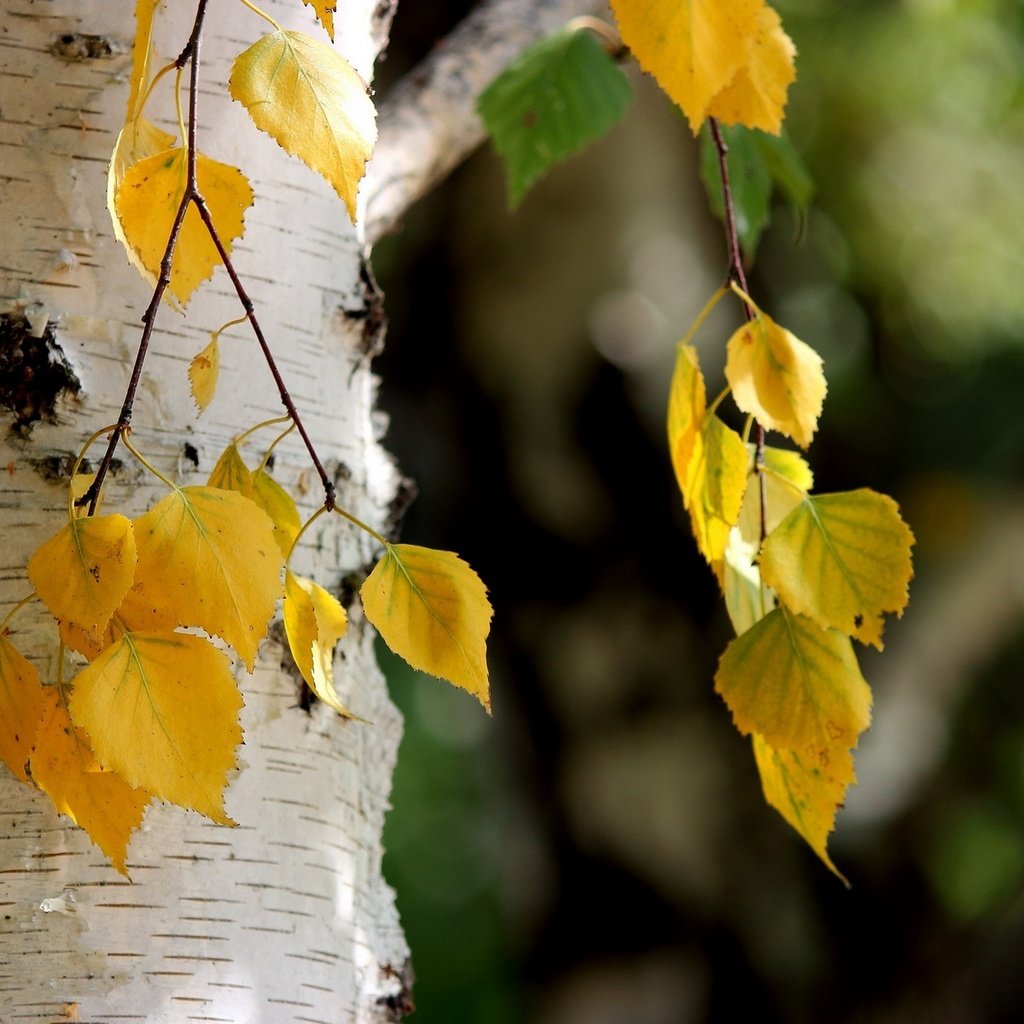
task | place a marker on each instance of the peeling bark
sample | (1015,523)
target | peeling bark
(286,917)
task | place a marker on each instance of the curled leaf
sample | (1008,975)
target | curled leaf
(203,372)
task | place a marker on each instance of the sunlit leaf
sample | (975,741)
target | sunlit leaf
(308,98)
(87,642)
(161,710)
(325,10)
(314,621)
(687,402)
(796,684)
(694,48)
(142,50)
(561,94)
(147,202)
(787,478)
(209,557)
(746,598)
(83,572)
(231,473)
(280,506)
(203,372)
(21,707)
(843,560)
(432,610)
(101,802)
(777,378)
(805,792)
(756,97)
(716,477)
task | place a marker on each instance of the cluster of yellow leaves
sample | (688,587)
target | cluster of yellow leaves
(299,90)
(819,570)
(153,711)
(727,59)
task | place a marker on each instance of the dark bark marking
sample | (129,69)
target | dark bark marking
(76,46)
(34,373)
(398,1005)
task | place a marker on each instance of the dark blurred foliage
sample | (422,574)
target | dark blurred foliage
(599,851)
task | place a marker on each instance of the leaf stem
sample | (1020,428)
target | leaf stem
(383,541)
(147,464)
(737,276)
(305,526)
(263,14)
(242,438)
(17,608)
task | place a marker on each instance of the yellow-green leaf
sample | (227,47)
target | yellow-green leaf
(787,478)
(209,558)
(796,684)
(203,372)
(687,401)
(716,477)
(746,598)
(146,203)
(325,13)
(432,610)
(308,98)
(843,560)
(83,572)
(805,792)
(756,97)
(21,707)
(694,48)
(231,473)
(101,802)
(776,378)
(161,710)
(314,621)
(280,506)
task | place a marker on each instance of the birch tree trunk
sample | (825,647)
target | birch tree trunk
(286,917)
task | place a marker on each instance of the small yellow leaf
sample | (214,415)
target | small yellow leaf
(694,48)
(87,642)
(746,598)
(314,621)
(716,478)
(102,803)
(687,401)
(231,473)
(432,610)
(142,50)
(843,560)
(203,372)
(805,792)
(84,571)
(776,378)
(147,201)
(325,13)
(756,97)
(21,707)
(162,711)
(307,97)
(280,506)
(209,558)
(787,478)
(797,685)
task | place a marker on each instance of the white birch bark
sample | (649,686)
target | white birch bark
(286,917)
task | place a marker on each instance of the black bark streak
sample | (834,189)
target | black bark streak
(78,46)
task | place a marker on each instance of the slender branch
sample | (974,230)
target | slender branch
(737,274)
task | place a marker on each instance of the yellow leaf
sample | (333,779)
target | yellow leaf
(102,803)
(139,140)
(87,642)
(21,707)
(776,378)
(314,621)
(231,473)
(716,478)
(787,478)
(843,560)
(325,13)
(756,97)
(806,793)
(307,97)
(797,685)
(147,201)
(687,401)
(746,599)
(162,711)
(432,610)
(694,48)
(209,558)
(142,50)
(84,571)
(280,506)
(203,372)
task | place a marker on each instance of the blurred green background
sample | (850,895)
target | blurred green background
(599,852)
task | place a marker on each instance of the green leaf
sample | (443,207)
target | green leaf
(786,167)
(558,96)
